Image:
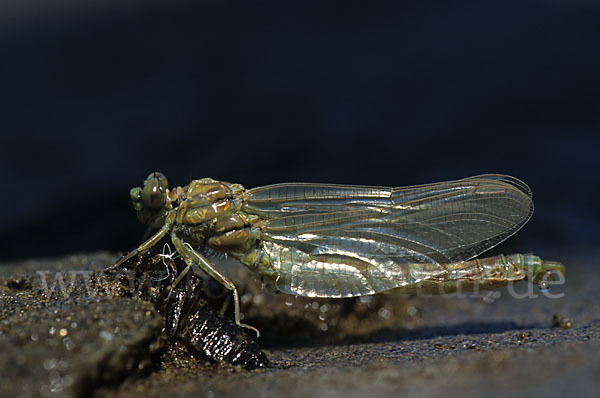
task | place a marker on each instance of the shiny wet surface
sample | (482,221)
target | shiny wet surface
(108,345)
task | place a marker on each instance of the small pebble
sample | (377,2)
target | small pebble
(18,282)
(562,322)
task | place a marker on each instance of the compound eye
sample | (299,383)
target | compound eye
(158,176)
(135,194)
(154,191)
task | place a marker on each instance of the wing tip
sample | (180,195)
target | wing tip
(510,180)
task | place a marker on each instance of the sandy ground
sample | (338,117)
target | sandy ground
(80,342)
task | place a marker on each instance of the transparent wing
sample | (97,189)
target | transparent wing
(338,241)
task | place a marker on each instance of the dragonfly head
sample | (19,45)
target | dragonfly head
(152,200)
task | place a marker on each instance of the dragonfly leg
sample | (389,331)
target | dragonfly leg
(158,235)
(192,257)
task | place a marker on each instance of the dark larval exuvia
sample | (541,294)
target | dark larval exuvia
(189,318)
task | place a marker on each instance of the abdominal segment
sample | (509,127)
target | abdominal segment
(470,276)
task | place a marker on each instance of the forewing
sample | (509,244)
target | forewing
(339,241)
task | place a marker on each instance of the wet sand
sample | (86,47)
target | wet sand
(94,341)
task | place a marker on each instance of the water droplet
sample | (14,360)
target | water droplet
(412,311)
(34,337)
(324,308)
(56,387)
(490,297)
(324,327)
(52,330)
(384,313)
(289,303)
(544,287)
(50,364)
(63,365)
(315,305)
(259,299)
(63,332)
(246,298)
(106,335)
(68,343)
(322,317)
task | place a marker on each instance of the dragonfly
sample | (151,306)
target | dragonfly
(329,240)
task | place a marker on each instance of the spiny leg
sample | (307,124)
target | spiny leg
(192,257)
(154,239)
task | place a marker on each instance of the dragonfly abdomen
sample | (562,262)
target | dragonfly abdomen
(479,274)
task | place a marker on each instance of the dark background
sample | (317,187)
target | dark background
(94,97)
